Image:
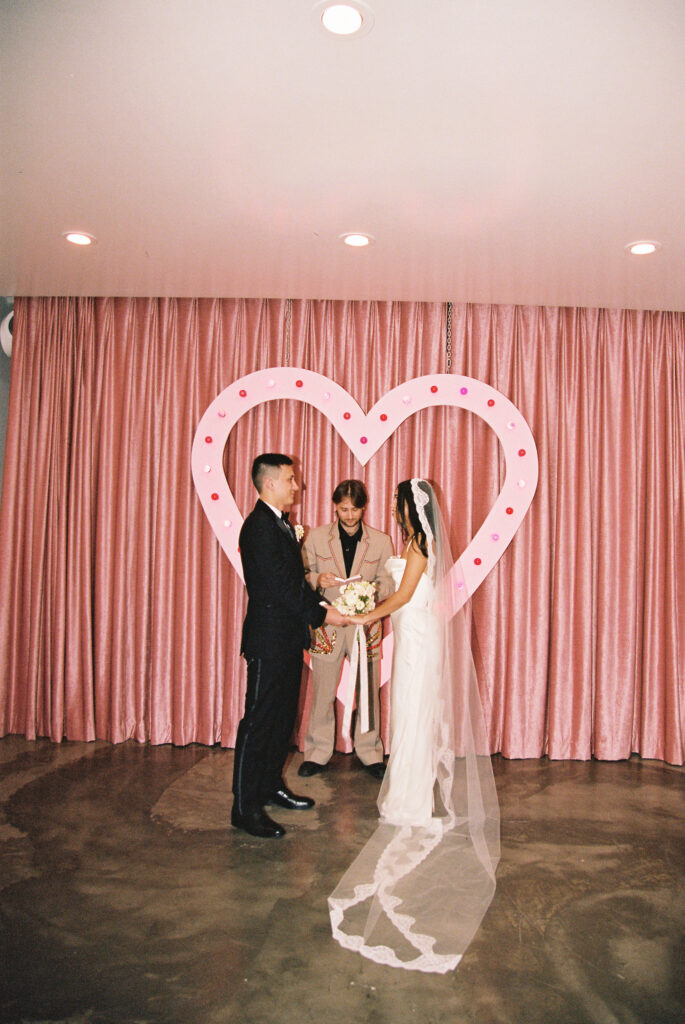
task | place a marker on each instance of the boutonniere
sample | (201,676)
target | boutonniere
(299,532)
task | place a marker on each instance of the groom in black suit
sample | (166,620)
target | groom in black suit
(281,607)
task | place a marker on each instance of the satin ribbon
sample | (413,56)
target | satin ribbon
(358,664)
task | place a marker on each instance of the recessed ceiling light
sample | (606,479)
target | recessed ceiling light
(642,248)
(341,19)
(357,239)
(78,237)
(346,21)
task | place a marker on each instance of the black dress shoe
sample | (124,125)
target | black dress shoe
(308,768)
(284,798)
(377,769)
(257,823)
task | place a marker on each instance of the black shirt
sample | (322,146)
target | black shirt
(349,545)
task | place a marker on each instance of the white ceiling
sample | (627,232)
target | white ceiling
(499,151)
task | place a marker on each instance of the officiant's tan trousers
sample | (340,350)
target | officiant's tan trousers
(331,645)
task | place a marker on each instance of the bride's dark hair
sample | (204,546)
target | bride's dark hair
(410,525)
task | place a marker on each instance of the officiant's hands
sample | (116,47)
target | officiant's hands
(327,579)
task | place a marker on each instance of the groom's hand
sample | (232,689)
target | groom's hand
(334,617)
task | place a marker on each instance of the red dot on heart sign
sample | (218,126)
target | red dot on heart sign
(476,561)
(434,388)
(346,415)
(510,511)
(298,384)
(383,417)
(522,451)
(215,497)
(208,439)
(491,402)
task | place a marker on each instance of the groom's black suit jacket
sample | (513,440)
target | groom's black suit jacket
(281,605)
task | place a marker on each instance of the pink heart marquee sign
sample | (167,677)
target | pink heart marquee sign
(364,433)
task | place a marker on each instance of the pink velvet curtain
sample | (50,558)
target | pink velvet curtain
(120,616)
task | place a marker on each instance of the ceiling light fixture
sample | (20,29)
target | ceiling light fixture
(78,237)
(357,239)
(342,19)
(347,21)
(644,248)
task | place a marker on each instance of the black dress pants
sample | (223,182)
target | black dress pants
(263,740)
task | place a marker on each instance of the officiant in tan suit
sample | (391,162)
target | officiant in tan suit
(331,553)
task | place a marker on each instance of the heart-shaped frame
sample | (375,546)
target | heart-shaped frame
(364,433)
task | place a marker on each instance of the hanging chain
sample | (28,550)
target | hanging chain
(288,320)
(448,337)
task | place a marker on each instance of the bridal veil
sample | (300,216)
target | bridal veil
(416,894)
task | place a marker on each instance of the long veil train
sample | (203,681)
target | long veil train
(417,892)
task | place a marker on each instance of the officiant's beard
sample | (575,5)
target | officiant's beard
(349,516)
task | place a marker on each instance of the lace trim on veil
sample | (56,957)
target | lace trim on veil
(393,865)
(421,499)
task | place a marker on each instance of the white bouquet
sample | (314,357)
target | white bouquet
(356,598)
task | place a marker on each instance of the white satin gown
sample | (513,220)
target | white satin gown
(407,794)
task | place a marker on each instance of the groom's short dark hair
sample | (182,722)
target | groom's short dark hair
(264,463)
(353,490)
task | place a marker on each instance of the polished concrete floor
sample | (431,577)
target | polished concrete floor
(125,898)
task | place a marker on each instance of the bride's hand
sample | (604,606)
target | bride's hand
(362,620)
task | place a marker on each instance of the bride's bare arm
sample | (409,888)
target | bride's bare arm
(415,567)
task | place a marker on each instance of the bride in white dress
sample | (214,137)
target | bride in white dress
(416,894)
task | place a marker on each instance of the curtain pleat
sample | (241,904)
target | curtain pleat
(120,616)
